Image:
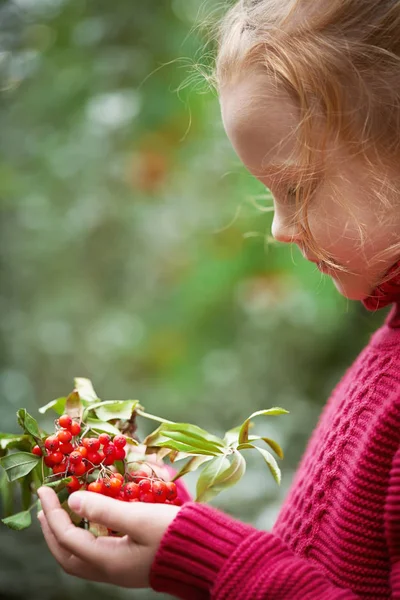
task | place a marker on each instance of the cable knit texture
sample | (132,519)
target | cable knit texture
(337,536)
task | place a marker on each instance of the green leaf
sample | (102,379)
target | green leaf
(194,432)
(194,442)
(59,485)
(84,387)
(19,521)
(58,405)
(269,459)
(218,475)
(101,426)
(194,463)
(181,447)
(63,495)
(244,430)
(74,406)
(9,441)
(26,492)
(271,443)
(18,464)
(6,494)
(30,426)
(114,409)
(231,436)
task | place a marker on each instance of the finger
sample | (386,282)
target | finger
(141,521)
(73,539)
(70,563)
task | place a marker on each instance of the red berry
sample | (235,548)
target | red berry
(131,491)
(65,421)
(139,475)
(109,460)
(82,450)
(119,476)
(48,461)
(56,457)
(96,486)
(94,457)
(57,469)
(120,454)
(104,439)
(146,497)
(109,449)
(75,458)
(52,443)
(160,491)
(78,469)
(107,487)
(37,451)
(145,485)
(177,502)
(64,436)
(171,490)
(119,441)
(75,428)
(66,448)
(92,444)
(115,486)
(74,485)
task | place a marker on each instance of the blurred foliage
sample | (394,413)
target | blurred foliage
(135,251)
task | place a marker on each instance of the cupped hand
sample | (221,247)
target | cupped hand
(125,561)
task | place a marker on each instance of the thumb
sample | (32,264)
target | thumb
(141,521)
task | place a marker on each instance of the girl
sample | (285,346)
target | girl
(310,99)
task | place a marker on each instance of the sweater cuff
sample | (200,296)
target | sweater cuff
(194,548)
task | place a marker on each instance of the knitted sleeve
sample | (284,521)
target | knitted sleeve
(207,555)
(392,524)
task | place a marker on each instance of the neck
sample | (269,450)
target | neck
(386,293)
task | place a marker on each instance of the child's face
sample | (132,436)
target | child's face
(261,125)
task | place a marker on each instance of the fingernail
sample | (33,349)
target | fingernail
(75,502)
(40,515)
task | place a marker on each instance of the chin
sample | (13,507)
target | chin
(352,287)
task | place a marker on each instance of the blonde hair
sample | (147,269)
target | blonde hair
(340,61)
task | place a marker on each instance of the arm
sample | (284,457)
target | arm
(206,554)
(392,524)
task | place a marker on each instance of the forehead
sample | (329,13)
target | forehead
(261,121)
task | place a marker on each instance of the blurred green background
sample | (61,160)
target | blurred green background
(133,252)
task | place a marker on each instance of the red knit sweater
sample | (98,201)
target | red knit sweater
(338,533)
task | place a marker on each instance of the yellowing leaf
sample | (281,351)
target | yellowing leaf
(114,409)
(269,459)
(244,430)
(84,387)
(73,406)
(271,443)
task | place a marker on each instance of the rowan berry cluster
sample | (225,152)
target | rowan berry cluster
(89,461)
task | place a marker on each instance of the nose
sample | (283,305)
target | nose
(285,230)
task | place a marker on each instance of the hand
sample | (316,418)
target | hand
(124,561)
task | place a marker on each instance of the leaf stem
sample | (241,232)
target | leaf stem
(141,413)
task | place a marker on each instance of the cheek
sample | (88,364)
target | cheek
(334,228)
